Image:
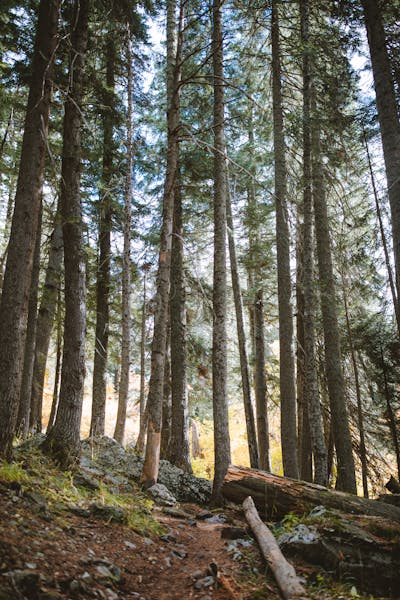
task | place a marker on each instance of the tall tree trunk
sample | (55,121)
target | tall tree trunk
(222,452)
(29,354)
(154,401)
(392,284)
(63,440)
(303,426)
(18,272)
(45,322)
(388,117)
(256,315)
(139,446)
(126,263)
(346,480)
(104,258)
(179,448)
(286,359)
(311,391)
(244,365)
(57,373)
(196,448)
(260,384)
(166,407)
(6,231)
(6,132)
(360,414)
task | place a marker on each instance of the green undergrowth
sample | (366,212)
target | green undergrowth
(49,488)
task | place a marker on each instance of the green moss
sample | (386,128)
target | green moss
(37,473)
(13,473)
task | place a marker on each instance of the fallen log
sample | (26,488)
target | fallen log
(276,496)
(284,573)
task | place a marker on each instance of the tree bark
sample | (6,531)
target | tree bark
(276,496)
(24,409)
(260,384)
(303,426)
(57,372)
(166,403)
(179,448)
(284,573)
(387,116)
(222,453)
(311,391)
(196,448)
(346,480)
(104,258)
(139,446)
(244,365)
(48,304)
(18,272)
(63,440)
(154,401)
(360,413)
(119,432)
(286,359)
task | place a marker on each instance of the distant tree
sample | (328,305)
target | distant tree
(104,247)
(244,365)
(346,480)
(29,354)
(123,391)
(46,314)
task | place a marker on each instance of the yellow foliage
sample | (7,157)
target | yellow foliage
(204,467)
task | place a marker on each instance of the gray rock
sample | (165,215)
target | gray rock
(301,534)
(74,586)
(205,582)
(87,578)
(108,513)
(81,512)
(197,574)
(85,480)
(106,458)
(108,570)
(104,452)
(148,541)
(161,495)
(181,554)
(216,519)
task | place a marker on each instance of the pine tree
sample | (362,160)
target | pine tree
(18,271)
(63,440)
(222,456)
(287,373)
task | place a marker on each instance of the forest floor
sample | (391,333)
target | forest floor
(60,541)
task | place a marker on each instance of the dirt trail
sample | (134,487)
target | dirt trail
(47,558)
